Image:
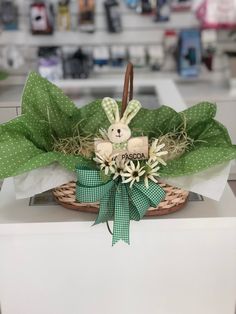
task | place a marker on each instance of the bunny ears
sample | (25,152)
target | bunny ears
(111,109)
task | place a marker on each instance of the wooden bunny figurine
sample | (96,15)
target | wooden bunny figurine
(119,134)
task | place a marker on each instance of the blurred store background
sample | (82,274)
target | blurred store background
(192,42)
(52,262)
(77,39)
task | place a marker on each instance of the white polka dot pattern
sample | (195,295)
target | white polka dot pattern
(26,142)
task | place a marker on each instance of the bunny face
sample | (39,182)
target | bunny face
(118,133)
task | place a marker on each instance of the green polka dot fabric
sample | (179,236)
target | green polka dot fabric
(26,142)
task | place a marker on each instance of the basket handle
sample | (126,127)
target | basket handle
(128,87)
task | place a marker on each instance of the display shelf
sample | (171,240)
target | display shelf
(114,73)
(137,29)
(210,86)
(137,36)
(80,39)
(131,21)
(77,88)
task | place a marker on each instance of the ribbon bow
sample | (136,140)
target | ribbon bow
(117,200)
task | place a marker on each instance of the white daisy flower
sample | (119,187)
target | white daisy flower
(133,173)
(151,172)
(120,166)
(155,152)
(106,163)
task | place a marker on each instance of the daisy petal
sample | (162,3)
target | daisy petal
(155,142)
(131,184)
(126,175)
(116,175)
(146,182)
(152,178)
(161,161)
(128,180)
(98,160)
(155,164)
(128,169)
(162,153)
(112,169)
(155,169)
(159,147)
(141,173)
(132,166)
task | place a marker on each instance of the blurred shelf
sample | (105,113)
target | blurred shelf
(117,73)
(11,88)
(98,38)
(132,21)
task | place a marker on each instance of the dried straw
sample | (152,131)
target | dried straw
(176,142)
(77,144)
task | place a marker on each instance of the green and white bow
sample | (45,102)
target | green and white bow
(117,200)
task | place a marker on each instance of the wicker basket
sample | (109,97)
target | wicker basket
(175,199)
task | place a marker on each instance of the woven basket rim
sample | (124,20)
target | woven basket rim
(175,199)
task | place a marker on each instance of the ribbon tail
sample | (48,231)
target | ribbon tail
(121,218)
(107,206)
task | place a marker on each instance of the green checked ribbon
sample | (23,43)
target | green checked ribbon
(117,200)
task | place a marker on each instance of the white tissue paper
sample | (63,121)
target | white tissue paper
(210,183)
(41,180)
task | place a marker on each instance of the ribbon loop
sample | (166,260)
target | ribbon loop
(88,177)
(92,194)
